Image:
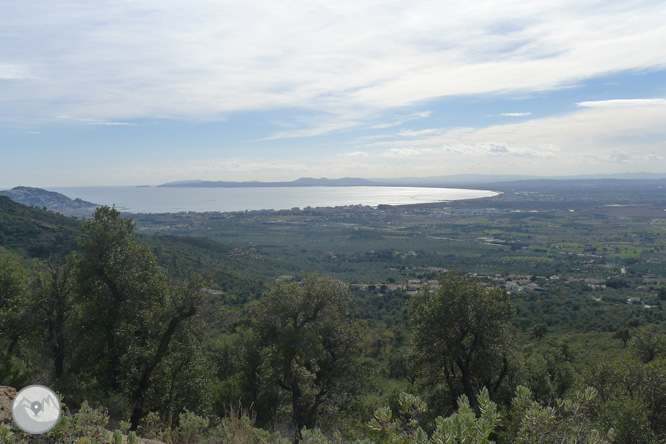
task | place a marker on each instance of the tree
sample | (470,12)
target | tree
(623,334)
(12,301)
(632,397)
(52,292)
(547,371)
(462,336)
(12,314)
(308,345)
(129,312)
(120,283)
(183,302)
(539,330)
(648,343)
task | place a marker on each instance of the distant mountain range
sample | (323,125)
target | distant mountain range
(459,180)
(59,203)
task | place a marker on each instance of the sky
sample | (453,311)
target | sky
(120,92)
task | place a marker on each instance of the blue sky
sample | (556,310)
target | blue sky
(118,92)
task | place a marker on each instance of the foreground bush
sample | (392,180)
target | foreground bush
(569,421)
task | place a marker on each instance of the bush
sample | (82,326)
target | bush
(87,426)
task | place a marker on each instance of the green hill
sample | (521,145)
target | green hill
(59,203)
(237,273)
(34,232)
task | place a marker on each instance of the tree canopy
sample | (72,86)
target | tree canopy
(308,344)
(462,336)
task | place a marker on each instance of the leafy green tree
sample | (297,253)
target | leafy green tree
(610,379)
(648,343)
(12,300)
(623,334)
(119,283)
(129,312)
(632,398)
(628,417)
(239,371)
(462,336)
(173,318)
(182,380)
(654,395)
(633,322)
(548,372)
(308,345)
(52,292)
(539,331)
(13,309)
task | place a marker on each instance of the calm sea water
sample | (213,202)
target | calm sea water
(171,200)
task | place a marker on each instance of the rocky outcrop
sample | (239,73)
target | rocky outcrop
(7,395)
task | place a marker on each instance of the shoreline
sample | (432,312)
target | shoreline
(133,200)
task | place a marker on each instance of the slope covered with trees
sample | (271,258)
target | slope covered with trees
(34,232)
(138,343)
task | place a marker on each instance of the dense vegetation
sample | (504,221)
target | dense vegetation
(188,339)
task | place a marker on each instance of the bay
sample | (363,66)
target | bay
(174,200)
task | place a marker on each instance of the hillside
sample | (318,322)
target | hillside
(52,201)
(34,232)
(581,263)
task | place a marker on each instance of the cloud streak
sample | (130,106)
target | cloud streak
(585,138)
(9,71)
(352,87)
(127,60)
(622,103)
(617,156)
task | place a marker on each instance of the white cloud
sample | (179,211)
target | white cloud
(501,149)
(95,121)
(616,156)
(338,66)
(410,133)
(405,152)
(318,128)
(357,154)
(204,59)
(113,124)
(9,71)
(622,102)
(469,150)
(403,120)
(574,143)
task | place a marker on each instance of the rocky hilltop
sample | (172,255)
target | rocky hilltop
(53,201)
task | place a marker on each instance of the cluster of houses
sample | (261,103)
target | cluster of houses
(514,284)
(412,287)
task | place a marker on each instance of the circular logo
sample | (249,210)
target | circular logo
(36,409)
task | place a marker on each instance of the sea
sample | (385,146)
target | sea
(175,200)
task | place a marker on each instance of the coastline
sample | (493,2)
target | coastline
(139,200)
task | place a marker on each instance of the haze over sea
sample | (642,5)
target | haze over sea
(173,200)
